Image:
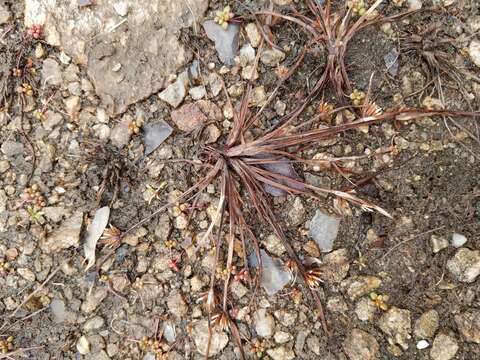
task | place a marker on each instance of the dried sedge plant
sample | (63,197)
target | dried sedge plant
(334,30)
(243,167)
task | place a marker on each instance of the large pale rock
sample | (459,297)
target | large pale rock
(129,55)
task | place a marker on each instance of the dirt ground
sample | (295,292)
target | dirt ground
(406,282)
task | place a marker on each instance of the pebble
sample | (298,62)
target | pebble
(11,148)
(83,345)
(253,34)
(200,336)
(458,240)
(427,325)
(324,229)
(468,324)
(281,353)
(281,337)
(52,119)
(4,166)
(438,243)
(422,344)
(396,324)
(121,8)
(286,318)
(357,286)
(274,276)
(313,344)
(336,266)
(189,117)
(51,72)
(474,51)
(274,245)
(236,90)
(198,92)
(282,2)
(226,41)
(211,133)
(175,92)
(27,274)
(272,57)
(93,324)
(444,347)
(39,51)
(5,14)
(65,236)
(360,345)
(246,55)
(297,211)
(365,309)
(57,307)
(264,323)
(176,305)
(94,298)
(465,265)
(414,4)
(155,134)
(72,106)
(280,107)
(258,97)
(215,82)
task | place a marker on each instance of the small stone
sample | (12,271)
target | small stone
(414,5)
(468,324)
(297,212)
(72,106)
(360,345)
(264,323)
(253,34)
(94,298)
(65,236)
(458,240)
(272,57)
(282,337)
(64,58)
(274,245)
(200,335)
(282,2)
(258,97)
(57,307)
(246,55)
(474,51)
(465,265)
(154,135)
(5,14)
(286,318)
(313,344)
(133,238)
(175,93)
(121,8)
(438,243)
(188,118)
(236,90)
(27,274)
(226,40)
(176,305)
(324,230)
(51,72)
(211,133)
(427,325)
(422,344)
(357,286)
(249,73)
(238,289)
(93,324)
(281,353)
(198,92)
(181,222)
(365,309)
(83,346)
(39,51)
(444,347)
(396,324)
(274,276)
(336,266)
(280,107)
(52,119)
(215,82)
(11,254)
(12,148)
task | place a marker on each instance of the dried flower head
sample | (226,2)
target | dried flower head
(222,17)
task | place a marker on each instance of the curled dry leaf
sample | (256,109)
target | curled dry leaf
(94,232)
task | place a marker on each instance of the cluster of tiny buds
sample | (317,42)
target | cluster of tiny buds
(6,345)
(35,31)
(32,195)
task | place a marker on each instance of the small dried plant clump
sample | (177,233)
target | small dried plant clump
(223,17)
(6,345)
(334,30)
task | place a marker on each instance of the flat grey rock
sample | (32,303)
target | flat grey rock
(324,230)
(226,41)
(155,134)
